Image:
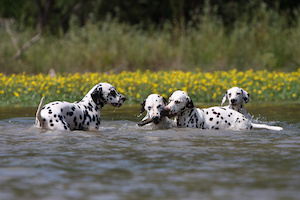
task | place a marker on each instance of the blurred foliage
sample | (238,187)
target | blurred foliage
(54,16)
(23,89)
(99,36)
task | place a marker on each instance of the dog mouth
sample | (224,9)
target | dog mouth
(116,105)
(144,122)
(156,120)
(170,115)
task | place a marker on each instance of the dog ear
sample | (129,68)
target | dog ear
(165,100)
(224,98)
(190,103)
(246,96)
(143,106)
(97,96)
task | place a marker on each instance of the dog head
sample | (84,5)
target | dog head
(105,93)
(154,105)
(178,102)
(236,96)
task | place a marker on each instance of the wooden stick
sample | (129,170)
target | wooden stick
(27,45)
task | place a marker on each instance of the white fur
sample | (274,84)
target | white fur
(187,115)
(154,105)
(237,97)
(82,115)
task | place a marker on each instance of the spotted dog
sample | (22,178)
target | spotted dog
(237,97)
(154,105)
(82,115)
(187,115)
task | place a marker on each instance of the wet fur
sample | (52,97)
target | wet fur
(82,115)
(154,105)
(187,115)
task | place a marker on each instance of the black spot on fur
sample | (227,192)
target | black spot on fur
(210,119)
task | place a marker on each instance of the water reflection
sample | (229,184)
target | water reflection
(124,161)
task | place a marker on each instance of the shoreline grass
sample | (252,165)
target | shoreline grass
(266,41)
(266,86)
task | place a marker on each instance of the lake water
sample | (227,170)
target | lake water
(123,161)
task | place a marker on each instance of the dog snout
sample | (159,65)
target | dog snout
(233,100)
(166,110)
(156,119)
(123,98)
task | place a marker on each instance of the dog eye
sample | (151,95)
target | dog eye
(149,107)
(229,94)
(113,93)
(158,106)
(238,93)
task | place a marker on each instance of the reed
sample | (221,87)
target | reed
(266,41)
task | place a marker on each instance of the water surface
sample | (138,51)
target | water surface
(123,161)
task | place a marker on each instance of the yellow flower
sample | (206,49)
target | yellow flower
(294,95)
(16,94)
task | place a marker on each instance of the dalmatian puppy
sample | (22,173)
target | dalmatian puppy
(82,115)
(156,116)
(237,97)
(187,115)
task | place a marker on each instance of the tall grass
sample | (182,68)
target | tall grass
(263,42)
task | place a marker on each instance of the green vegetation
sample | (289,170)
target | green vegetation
(23,89)
(267,40)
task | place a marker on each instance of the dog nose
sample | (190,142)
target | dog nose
(166,109)
(156,119)
(123,98)
(233,100)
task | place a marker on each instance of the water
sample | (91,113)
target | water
(123,161)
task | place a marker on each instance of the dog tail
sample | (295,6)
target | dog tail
(264,126)
(38,112)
